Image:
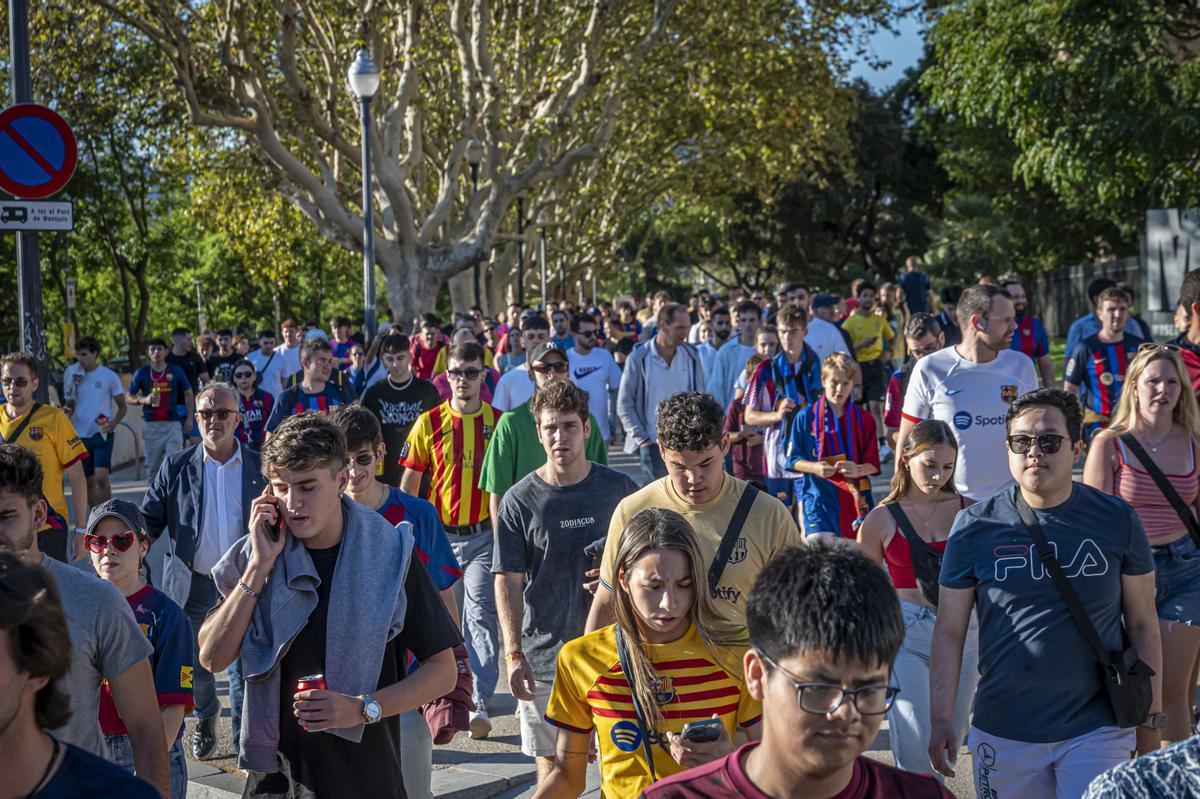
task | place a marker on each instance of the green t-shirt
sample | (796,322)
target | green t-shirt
(515,451)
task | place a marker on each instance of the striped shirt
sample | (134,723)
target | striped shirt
(591,692)
(450,445)
(1100,367)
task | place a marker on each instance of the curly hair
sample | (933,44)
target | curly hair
(562,396)
(20,473)
(689,420)
(304,443)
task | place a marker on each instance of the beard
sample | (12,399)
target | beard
(721,335)
(1020,309)
(19,546)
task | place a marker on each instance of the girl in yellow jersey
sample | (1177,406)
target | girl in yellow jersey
(680,673)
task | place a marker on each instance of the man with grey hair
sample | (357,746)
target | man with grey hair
(201,496)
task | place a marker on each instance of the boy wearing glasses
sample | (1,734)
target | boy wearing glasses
(1043,722)
(95,402)
(48,434)
(1100,361)
(450,443)
(825,628)
(118,541)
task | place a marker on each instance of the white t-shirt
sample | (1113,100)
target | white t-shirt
(596,373)
(92,392)
(291,359)
(276,371)
(973,399)
(513,388)
(824,338)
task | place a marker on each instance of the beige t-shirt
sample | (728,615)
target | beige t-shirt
(769,528)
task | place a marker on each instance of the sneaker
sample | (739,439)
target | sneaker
(481,725)
(203,738)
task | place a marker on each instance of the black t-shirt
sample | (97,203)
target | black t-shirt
(325,764)
(191,364)
(220,367)
(397,410)
(84,774)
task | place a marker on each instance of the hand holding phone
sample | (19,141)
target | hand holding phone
(266,527)
(699,732)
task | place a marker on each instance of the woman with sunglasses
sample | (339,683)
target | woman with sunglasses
(923,492)
(1160,412)
(117,541)
(256,405)
(660,662)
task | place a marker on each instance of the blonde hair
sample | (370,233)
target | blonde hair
(839,363)
(1186,412)
(926,435)
(651,529)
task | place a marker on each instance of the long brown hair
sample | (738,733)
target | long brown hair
(925,435)
(650,529)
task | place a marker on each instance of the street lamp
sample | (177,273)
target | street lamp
(474,159)
(521,250)
(363,77)
(542,221)
(199,308)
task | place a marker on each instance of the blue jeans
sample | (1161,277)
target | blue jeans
(201,599)
(120,753)
(652,463)
(237,692)
(477,602)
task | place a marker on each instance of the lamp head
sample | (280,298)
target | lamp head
(474,152)
(363,76)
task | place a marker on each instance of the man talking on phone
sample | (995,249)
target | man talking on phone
(297,621)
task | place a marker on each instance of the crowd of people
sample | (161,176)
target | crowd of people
(366,536)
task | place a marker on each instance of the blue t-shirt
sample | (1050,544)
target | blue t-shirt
(1089,325)
(916,291)
(296,400)
(432,547)
(1038,680)
(1098,368)
(84,774)
(172,385)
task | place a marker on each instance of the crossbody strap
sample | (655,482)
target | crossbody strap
(732,533)
(627,667)
(1164,485)
(915,541)
(21,427)
(1074,606)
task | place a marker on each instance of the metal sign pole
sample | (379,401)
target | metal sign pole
(29,274)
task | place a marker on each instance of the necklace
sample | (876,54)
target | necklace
(49,766)
(1161,441)
(407,383)
(927,520)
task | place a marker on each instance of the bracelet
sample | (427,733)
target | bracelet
(516,654)
(247,589)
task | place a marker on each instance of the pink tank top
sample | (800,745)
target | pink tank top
(1134,484)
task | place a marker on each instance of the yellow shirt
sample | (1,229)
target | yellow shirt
(863,327)
(52,438)
(591,692)
(769,528)
(451,445)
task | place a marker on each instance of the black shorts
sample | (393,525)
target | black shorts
(874,381)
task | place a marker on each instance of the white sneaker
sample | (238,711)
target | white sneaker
(481,725)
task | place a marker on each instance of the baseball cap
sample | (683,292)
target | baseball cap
(123,509)
(823,301)
(543,350)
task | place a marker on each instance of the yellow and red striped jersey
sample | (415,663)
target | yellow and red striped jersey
(450,445)
(590,691)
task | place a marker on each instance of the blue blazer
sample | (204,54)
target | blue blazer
(175,499)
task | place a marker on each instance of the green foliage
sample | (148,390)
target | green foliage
(970,240)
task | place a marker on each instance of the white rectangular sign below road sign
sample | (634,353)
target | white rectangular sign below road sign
(34,215)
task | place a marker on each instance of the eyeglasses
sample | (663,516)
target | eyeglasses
(824,698)
(464,374)
(1048,443)
(19,382)
(242,375)
(558,367)
(364,458)
(98,543)
(585,333)
(1151,346)
(221,413)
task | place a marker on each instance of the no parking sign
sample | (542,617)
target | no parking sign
(38,152)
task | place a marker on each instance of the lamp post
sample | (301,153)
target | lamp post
(541,223)
(474,159)
(521,250)
(199,308)
(363,77)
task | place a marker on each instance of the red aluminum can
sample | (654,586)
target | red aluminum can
(313,682)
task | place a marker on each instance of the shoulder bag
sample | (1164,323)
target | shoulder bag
(12,439)
(1126,677)
(627,668)
(1164,485)
(729,540)
(926,561)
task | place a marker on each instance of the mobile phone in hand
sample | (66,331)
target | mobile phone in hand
(700,732)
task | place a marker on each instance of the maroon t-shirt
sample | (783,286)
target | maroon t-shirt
(726,779)
(747,460)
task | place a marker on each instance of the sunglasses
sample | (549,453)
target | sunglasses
(464,374)
(221,413)
(242,375)
(364,458)
(1151,346)
(558,367)
(585,333)
(1048,443)
(19,382)
(98,543)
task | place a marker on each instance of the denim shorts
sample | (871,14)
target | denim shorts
(99,449)
(1177,581)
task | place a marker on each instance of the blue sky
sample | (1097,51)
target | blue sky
(902,49)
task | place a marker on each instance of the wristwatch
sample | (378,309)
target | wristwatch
(371,710)
(1155,721)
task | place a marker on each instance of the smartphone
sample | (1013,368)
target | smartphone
(699,732)
(276,528)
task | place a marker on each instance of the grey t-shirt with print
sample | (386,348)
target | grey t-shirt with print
(541,531)
(105,642)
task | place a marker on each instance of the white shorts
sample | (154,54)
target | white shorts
(539,737)
(1006,769)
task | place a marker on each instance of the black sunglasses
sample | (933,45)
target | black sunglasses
(1048,443)
(19,382)
(464,374)
(242,375)
(364,458)
(557,367)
